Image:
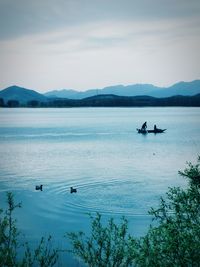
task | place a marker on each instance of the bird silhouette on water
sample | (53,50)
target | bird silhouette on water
(73,190)
(38,187)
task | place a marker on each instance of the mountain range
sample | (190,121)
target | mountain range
(23,95)
(181,88)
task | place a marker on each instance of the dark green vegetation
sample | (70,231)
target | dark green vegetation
(15,253)
(108,245)
(173,239)
(123,101)
(110,101)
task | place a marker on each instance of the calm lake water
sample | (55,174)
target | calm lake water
(97,150)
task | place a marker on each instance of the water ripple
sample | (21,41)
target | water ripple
(111,197)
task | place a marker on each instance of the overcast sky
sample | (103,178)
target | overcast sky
(84,44)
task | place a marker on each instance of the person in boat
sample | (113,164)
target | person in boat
(144,126)
(155,128)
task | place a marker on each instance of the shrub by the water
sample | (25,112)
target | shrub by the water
(108,245)
(174,240)
(14,253)
(192,173)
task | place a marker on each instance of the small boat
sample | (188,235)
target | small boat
(143,131)
(156,131)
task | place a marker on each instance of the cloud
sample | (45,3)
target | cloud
(26,17)
(105,35)
(85,44)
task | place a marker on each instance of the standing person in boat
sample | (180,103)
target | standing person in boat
(155,128)
(144,126)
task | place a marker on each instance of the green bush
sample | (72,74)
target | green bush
(176,239)
(192,173)
(108,245)
(44,255)
(173,239)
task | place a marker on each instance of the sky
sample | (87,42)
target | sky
(89,44)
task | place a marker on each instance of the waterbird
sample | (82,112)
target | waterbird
(38,187)
(73,190)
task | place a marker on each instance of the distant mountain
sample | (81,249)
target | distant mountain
(22,95)
(63,93)
(103,100)
(121,90)
(181,88)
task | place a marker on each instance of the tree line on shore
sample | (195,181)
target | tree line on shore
(107,101)
(174,240)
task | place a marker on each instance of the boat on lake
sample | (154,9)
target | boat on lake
(144,131)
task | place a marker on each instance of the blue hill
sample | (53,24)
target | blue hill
(22,95)
(181,88)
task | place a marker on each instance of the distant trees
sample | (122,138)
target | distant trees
(33,103)
(110,101)
(13,103)
(1,102)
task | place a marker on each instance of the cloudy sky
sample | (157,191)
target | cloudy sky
(84,44)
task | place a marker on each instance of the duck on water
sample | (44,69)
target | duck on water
(73,190)
(38,187)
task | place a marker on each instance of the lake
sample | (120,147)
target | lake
(116,171)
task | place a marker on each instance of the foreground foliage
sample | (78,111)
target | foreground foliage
(109,245)
(172,240)
(10,247)
(192,173)
(176,239)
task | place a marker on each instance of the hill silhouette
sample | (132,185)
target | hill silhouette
(22,95)
(181,88)
(15,96)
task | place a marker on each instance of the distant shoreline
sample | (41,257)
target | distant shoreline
(108,101)
(40,107)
